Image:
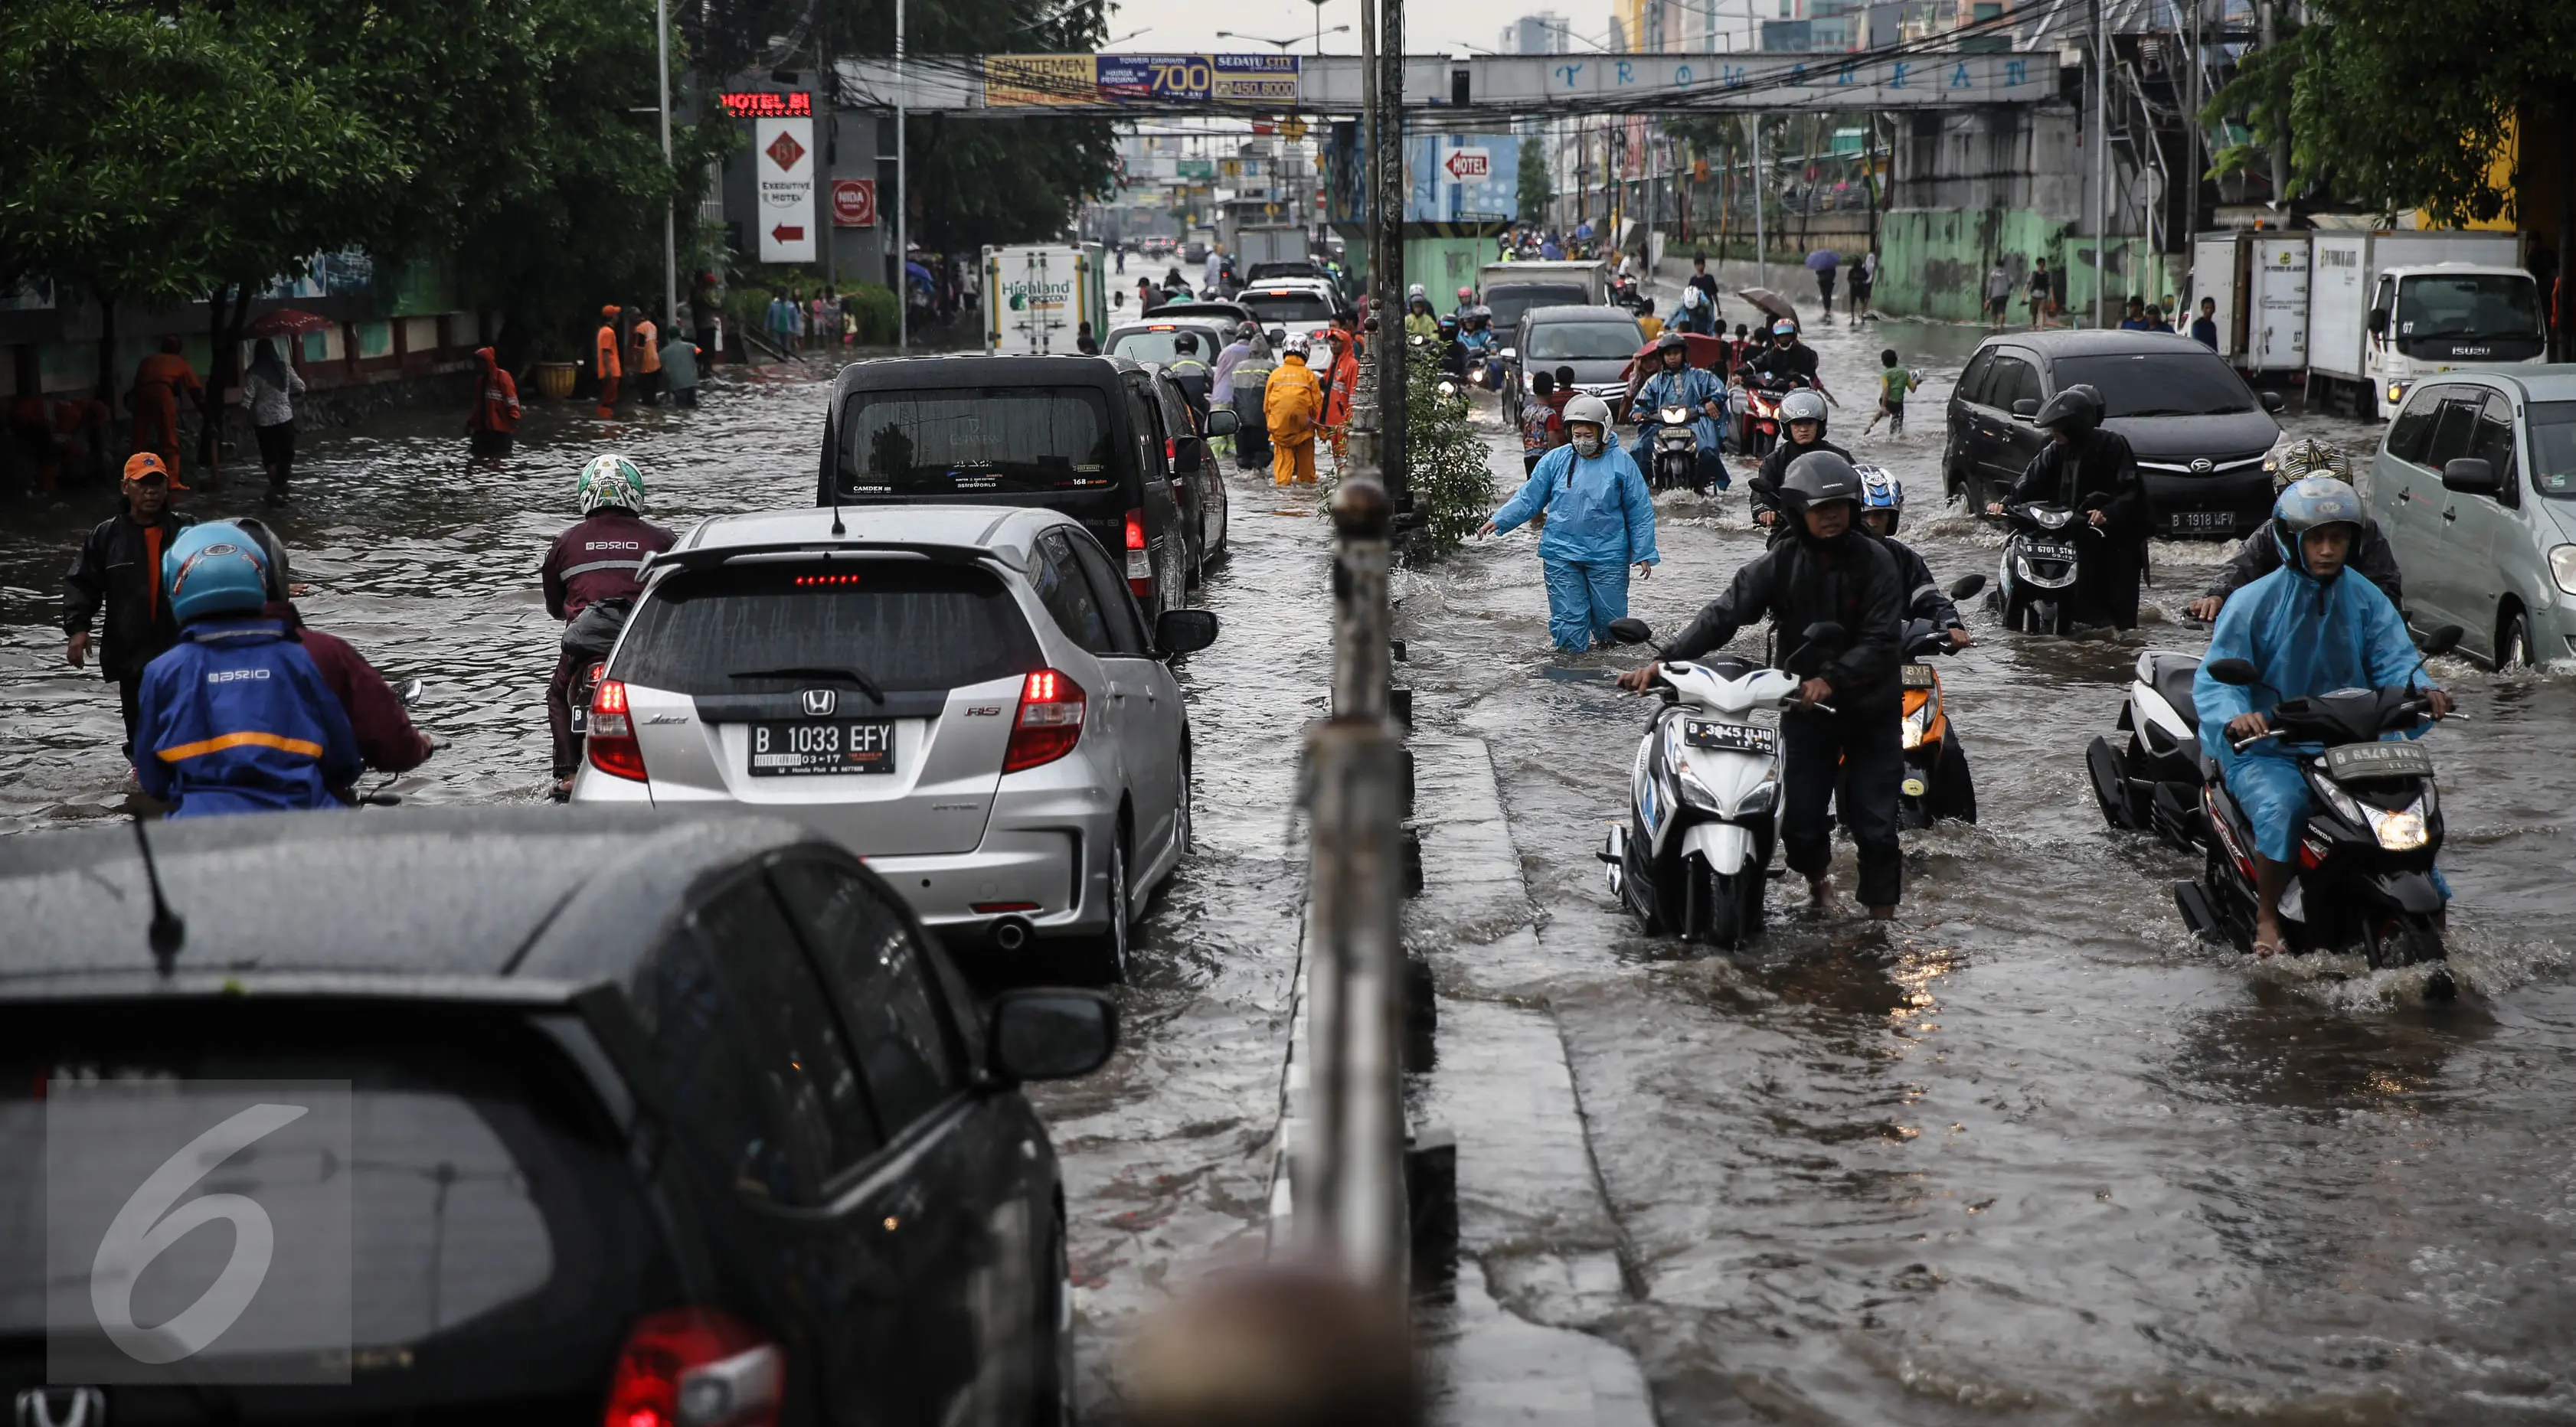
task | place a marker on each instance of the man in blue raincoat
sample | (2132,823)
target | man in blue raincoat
(1600,521)
(1675,382)
(2307,630)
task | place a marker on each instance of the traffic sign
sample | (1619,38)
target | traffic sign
(854,203)
(785,180)
(1469,165)
(1293,130)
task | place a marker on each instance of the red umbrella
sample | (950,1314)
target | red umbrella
(1705,351)
(280,321)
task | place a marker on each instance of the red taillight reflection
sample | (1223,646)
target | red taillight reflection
(1140,565)
(611,745)
(1049,721)
(695,1366)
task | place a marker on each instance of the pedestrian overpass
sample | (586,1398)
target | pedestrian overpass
(1444,92)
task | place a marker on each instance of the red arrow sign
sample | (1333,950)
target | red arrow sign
(1464,164)
(785,234)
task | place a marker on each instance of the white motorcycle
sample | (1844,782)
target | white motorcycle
(1704,794)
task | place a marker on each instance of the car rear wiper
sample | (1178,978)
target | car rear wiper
(866,685)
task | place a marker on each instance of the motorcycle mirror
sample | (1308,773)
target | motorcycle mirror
(1967,586)
(1631,631)
(409,693)
(2239,672)
(2442,641)
(1825,632)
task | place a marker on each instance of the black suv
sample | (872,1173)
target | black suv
(649,1119)
(2200,434)
(1083,435)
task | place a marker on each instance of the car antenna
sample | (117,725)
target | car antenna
(832,483)
(169,929)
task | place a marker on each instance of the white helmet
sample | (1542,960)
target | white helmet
(610,480)
(1692,297)
(1299,345)
(1588,409)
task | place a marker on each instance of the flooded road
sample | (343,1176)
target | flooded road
(2031,1153)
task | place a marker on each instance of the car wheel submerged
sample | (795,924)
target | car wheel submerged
(1105,961)
(2513,643)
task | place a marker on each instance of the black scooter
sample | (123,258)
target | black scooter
(2364,880)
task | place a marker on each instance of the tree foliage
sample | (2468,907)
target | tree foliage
(1536,192)
(1445,460)
(2393,105)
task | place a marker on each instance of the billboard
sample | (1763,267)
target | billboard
(1462,178)
(1024,81)
(783,163)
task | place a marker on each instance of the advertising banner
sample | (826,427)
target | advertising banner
(1021,81)
(854,203)
(783,156)
(1018,81)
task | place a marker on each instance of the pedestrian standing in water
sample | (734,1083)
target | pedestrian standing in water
(607,368)
(496,409)
(646,343)
(1998,296)
(1600,524)
(1247,380)
(116,579)
(159,382)
(680,369)
(269,389)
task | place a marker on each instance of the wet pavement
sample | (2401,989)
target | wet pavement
(2030,1154)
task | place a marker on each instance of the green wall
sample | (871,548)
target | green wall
(1933,263)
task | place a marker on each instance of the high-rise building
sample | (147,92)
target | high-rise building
(1541,34)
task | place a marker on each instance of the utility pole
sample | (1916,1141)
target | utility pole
(2102,155)
(670,214)
(1761,238)
(902,197)
(1387,139)
(2191,140)
(2280,147)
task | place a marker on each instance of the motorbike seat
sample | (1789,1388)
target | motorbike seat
(2173,679)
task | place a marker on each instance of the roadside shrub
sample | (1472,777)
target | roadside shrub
(875,307)
(1453,486)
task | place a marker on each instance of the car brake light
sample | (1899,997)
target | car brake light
(1049,721)
(695,1367)
(611,744)
(1140,566)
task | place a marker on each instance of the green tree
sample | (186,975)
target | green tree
(1536,192)
(1445,460)
(2396,105)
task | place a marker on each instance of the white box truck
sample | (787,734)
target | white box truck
(2386,308)
(1038,295)
(2260,282)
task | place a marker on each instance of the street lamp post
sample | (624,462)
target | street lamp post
(902,177)
(1319,24)
(670,215)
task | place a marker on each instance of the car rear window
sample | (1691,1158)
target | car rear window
(494,1216)
(1584,341)
(975,440)
(1510,302)
(2158,383)
(2553,448)
(902,623)
(1155,344)
(1270,307)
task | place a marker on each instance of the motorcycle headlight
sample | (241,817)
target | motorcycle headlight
(1695,792)
(1918,724)
(1759,801)
(2562,568)
(2399,832)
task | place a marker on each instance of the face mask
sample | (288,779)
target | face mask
(1587,446)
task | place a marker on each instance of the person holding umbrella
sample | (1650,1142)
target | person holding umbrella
(1823,262)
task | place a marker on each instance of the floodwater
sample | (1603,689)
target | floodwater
(2028,1155)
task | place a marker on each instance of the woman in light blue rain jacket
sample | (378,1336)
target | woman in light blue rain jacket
(1600,521)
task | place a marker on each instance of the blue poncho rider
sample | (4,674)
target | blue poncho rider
(1600,522)
(1675,382)
(2307,630)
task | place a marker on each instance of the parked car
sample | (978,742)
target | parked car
(968,698)
(1150,339)
(1598,342)
(1069,433)
(1225,313)
(2475,486)
(1297,306)
(2199,432)
(1197,481)
(667,1120)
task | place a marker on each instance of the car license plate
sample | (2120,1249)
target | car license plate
(2048,550)
(810,746)
(580,718)
(1918,676)
(2201,520)
(1733,737)
(2359,762)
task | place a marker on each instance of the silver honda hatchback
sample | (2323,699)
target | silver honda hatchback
(966,697)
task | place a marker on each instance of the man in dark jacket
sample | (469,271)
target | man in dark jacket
(1802,429)
(1832,572)
(386,737)
(600,558)
(119,567)
(2371,555)
(2092,472)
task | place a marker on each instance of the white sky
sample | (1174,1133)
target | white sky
(1431,26)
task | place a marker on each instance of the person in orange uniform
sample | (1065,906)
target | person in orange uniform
(1343,386)
(496,409)
(646,342)
(158,384)
(609,368)
(1290,406)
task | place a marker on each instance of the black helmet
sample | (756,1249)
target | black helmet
(1671,342)
(1819,478)
(2078,408)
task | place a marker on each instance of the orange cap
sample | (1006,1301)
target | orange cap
(608,311)
(144,463)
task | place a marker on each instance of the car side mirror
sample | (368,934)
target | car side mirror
(1631,631)
(1050,1034)
(2442,641)
(1184,631)
(2379,321)
(2025,409)
(1185,455)
(1223,422)
(2271,400)
(2470,475)
(1967,585)
(2239,672)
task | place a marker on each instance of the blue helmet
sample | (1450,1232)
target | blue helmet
(1881,490)
(214,569)
(2309,503)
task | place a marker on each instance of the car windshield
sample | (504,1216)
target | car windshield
(1584,341)
(490,1201)
(1510,301)
(969,440)
(2553,448)
(2159,383)
(1269,308)
(906,624)
(2467,305)
(1155,344)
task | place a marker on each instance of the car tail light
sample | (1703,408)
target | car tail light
(1140,565)
(612,746)
(1049,722)
(695,1367)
